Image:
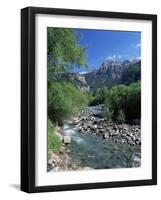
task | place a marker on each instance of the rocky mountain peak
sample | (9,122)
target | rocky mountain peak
(109,62)
(111,71)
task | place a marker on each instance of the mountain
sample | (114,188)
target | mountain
(114,72)
(111,72)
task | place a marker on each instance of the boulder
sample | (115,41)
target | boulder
(92,118)
(105,135)
(50,161)
(93,127)
(66,139)
(55,158)
(59,135)
(80,129)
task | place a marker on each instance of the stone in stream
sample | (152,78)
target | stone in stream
(66,139)
(105,135)
(94,127)
(68,150)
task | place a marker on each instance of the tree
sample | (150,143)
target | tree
(64,101)
(64,50)
(122,102)
(131,74)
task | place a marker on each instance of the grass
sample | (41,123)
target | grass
(54,142)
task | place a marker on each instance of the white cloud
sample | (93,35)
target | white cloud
(83,72)
(138,45)
(135,58)
(114,57)
(119,56)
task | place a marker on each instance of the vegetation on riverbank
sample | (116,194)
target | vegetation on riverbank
(54,142)
(65,101)
(121,102)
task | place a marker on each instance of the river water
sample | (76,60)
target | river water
(93,151)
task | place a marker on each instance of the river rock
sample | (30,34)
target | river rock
(55,158)
(66,139)
(50,161)
(92,118)
(59,135)
(56,169)
(105,135)
(91,121)
(80,129)
(87,168)
(94,127)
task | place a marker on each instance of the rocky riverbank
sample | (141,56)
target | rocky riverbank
(91,121)
(78,149)
(61,161)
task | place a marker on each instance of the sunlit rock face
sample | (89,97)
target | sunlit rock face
(112,72)
(77,79)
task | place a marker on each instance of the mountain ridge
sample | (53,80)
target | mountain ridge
(111,72)
(114,72)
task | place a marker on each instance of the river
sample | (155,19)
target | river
(93,151)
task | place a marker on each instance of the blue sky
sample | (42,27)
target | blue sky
(103,44)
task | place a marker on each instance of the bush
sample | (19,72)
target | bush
(131,74)
(54,142)
(100,96)
(64,101)
(108,113)
(120,118)
(123,102)
(132,106)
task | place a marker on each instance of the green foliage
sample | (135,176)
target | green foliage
(100,96)
(108,112)
(131,74)
(54,142)
(122,102)
(133,105)
(120,118)
(64,101)
(64,50)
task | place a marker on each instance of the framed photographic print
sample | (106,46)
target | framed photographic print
(88,99)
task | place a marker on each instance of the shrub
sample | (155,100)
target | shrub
(120,118)
(54,142)
(131,74)
(123,102)
(64,101)
(108,113)
(100,96)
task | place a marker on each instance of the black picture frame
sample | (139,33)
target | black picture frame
(28,99)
